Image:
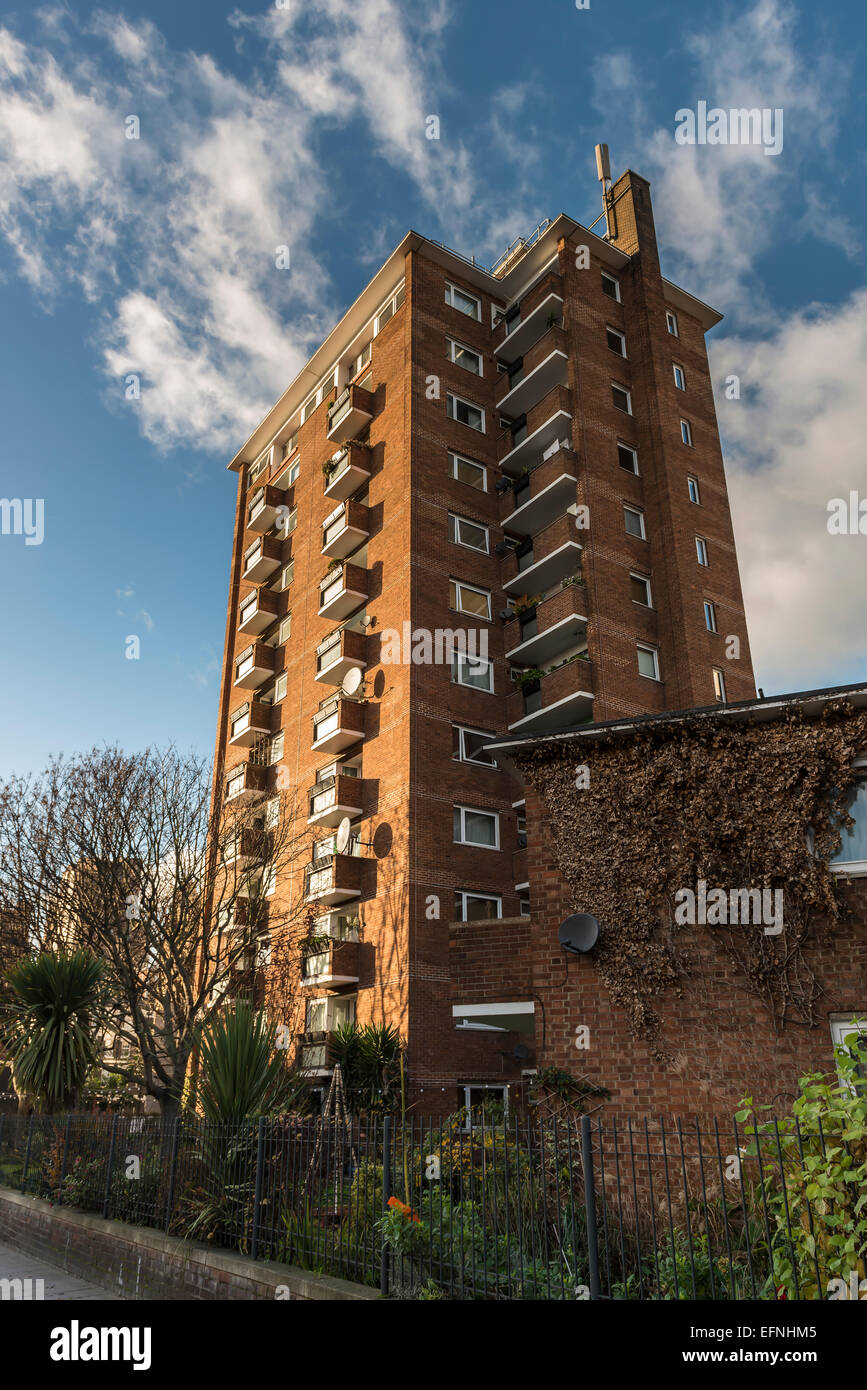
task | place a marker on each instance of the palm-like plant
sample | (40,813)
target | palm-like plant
(49,1026)
(369,1059)
(243,1075)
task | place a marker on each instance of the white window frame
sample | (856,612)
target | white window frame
(476,811)
(702,552)
(642,579)
(462,758)
(616,333)
(460,660)
(453,345)
(455,533)
(855,868)
(452,290)
(709,608)
(455,458)
(473,588)
(618,386)
(686,433)
(843,1026)
(453,400)
(467,1087)
(280,687)
(679,372)
(671,323)
(646,647)
(719,684)
(634,511)
(615,282)
(692,487)
(275,748)
(464,893)
(284,632)
(634,452)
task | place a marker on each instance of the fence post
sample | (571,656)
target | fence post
(173,1166)
(27,1154)
(257,1199)
(386,1193)
(107,1198)
(590,1208)
(65,1158)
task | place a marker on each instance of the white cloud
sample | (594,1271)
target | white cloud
(795,440)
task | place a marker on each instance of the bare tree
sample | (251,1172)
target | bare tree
(180,892)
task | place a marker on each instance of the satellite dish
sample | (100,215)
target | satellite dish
(338,455)
(352,680)
(521,1052)
(579,933)
(344,832)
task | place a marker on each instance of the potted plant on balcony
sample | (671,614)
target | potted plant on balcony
(552,321)
(573,580)
(531,676)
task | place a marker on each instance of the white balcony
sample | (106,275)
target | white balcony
(528,330)
(548,570)
(249,723)
(553,371)
(532,447)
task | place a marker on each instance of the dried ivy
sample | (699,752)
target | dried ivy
(672,803)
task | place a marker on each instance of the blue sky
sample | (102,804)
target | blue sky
(305,126)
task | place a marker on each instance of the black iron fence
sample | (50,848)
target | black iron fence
(527,1209)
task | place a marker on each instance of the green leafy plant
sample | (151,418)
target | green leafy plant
(815,1166)
(242,1073)
(49,1025)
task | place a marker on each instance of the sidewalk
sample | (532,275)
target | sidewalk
(59,1287)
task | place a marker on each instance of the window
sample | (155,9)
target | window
(627,457)
(287,574)
(639,588)
(468,746)
(276,748)
(719,685)
(308,409)
(466,471)
(611,287)
(852,854)
(709,616)
(474,671)
(468,533)
(326,1015)
(843,1027)
(361,361)
(280,687)
(285,629)
(671,323)
(679,377)
(291,476)
(287,521)
(465,357)
(701,550)
(466,598)
(524,904)
(291,444)
(465,413)
(686,432)
(272,813)
(633,520)
(694,492)
(472,827)
(467,303)
(485,1105)
(621,397)
(648,661)
(616,341)
(477,907)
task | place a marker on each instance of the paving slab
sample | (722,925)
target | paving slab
(59,1287)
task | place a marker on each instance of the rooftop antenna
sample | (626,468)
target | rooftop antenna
(603,173)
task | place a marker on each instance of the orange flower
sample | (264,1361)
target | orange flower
(402,1207)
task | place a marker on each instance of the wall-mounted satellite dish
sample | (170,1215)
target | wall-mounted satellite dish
(352,681)
(521,1052)
(579,933)
(344,833)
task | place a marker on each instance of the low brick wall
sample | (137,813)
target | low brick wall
(137,1263)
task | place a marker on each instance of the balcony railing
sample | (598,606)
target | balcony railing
(519,331)
(527,440)
(342,590)
(257,611)
(540,495)
(334,965)
(550,628)
(338,724)
(246,846)
(345,529)
(262,558)
(247,782)
(347,471)
(341,651)
(334,798)
(254,665)
(335,879)
(545,366)
(262,509)
(544,560)
(561,697)
(350,414)
(249,722)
